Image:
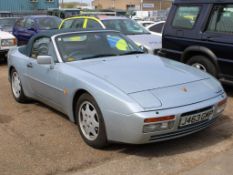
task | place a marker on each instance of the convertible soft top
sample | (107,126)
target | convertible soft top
(26,50)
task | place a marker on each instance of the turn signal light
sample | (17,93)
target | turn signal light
(14,41)
(159,119)
(221,106)
(223,102)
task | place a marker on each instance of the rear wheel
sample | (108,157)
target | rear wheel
(203,63)
(17,88)
(90,122)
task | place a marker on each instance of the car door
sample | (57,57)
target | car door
(44,80)
(218,37)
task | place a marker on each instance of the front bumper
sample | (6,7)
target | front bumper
(129,129)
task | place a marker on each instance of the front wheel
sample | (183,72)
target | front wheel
(17,88)
(90,122)
(203,63)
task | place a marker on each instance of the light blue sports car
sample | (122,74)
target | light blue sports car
(111,89)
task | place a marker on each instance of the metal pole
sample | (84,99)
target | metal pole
(62,3)
(160,5)
(141,4)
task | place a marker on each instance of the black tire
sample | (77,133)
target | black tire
(101,140)
(205,62)
(21,98)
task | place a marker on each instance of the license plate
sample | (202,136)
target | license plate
(195,118)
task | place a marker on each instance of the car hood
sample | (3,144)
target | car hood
(149,41)
(134,73)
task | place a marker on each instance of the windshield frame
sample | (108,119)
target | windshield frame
(126,21)
(62,59)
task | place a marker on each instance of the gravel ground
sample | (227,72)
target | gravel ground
(36,140)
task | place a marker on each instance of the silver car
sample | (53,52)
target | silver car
(111,89)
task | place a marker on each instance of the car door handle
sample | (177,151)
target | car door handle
(29,65)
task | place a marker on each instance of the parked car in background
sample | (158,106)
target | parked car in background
(7,23)
(145,23)
(28,26)
(114,93)
(200,33)
(129,27)
(7,41)
(156,27)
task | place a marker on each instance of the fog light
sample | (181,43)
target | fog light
(158,126)
(164,125)
(151,128)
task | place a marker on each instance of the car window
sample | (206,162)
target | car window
(157,28)
(186,17)
(146,24)
(221,19)
(92,24)
(73,23)
(47,23)
(67,24)
(29,23)
(20,23)
(118,43)
(40,47)
(77,23)
(74,47)
(125,26)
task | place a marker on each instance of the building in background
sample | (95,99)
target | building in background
(146,5)
(27,5)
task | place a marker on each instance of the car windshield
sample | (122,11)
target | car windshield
(47,23)
(82,46)
(125,26)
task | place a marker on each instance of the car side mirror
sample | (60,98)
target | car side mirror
(45,59)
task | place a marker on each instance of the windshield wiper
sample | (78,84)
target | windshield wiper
(98,56)
(133,52)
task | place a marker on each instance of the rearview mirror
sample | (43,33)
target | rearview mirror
(45,59)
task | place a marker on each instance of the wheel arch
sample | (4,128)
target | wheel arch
(77,95)
(200,50)
(9,72)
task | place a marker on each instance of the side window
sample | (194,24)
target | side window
(20,23)
(67,24)
(221,19)
(186,17)
(40,47)
(77,23)
(92,24)
(157,28)
(29,23)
